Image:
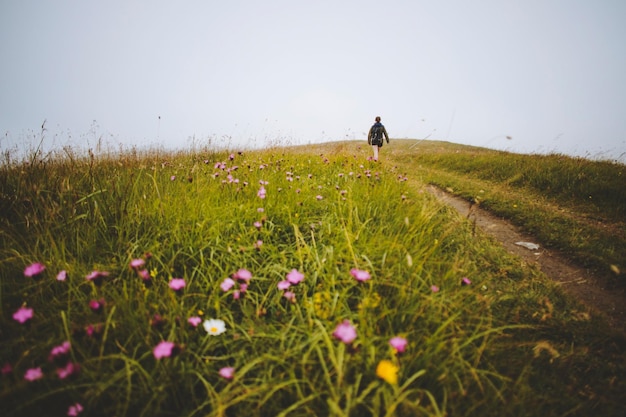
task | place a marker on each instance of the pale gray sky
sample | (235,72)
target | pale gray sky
(521,75)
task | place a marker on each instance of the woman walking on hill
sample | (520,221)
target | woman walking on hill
(375,136)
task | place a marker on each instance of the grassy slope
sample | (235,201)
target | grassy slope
(509,344)
(572,204)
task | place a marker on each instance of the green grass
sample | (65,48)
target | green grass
(509,344)
(572,204)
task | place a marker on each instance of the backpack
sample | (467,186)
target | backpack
(377,134)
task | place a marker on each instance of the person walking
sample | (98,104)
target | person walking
(375,137)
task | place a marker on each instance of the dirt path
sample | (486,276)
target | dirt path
(579,282)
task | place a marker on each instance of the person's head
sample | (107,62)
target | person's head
(378,118)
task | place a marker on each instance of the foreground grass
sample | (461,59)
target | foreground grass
(486,334)
(575,205)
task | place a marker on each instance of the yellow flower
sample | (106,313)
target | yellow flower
(387,371)
(321,304)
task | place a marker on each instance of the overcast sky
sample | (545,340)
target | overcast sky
(522,75)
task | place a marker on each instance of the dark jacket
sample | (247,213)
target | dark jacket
(371,140)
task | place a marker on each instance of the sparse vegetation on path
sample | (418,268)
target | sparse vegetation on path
(299,281)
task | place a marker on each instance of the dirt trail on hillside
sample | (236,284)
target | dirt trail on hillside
(579,282)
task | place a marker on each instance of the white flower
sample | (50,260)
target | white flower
(214,327)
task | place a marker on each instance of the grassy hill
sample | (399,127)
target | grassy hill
(572,204)
(285,282)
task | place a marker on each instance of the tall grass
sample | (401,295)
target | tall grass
(572,204)
(482,345)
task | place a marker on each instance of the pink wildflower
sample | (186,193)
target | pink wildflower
(434,288)
(33,374)
(60,352)
(62,275)
(283,285)
(319,197)
(137,263)
(227,372)
(68,370)
(258,225)
(398,343)
(144,274)
(243,274)
(290,295)
(75,410)
(177,284)
(295,277)
(6,369)
(164,350)
(33,270)
(360,275)
(194,321)
(97,276)
(345,332)
(261,193)
(227,284)
(96,305)
(465,281)
(23,314)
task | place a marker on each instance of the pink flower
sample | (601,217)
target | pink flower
(68,370)
(177,284)
(398,343)
(33,270)
(243,287)
(93,331)
(173,177)
(227,284)
(227,372)
(243,274)
(96,305)
(144,275)
(6,369)
(23,314)
(319,197)
(137,263)
(283,285)
(360,275)
(258,244)
(62,275)
(434,288)
(258,225)
(236,294)
(465,281)
(295,277)
(74,410)
(164,350)
(289,295)
(261,193)
(194,321)
(345,332)
(60,352)
(33,374)
(97,276)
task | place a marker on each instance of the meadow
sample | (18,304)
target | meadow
(294,281)
(574,205)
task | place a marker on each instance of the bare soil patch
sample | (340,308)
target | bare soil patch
(583,284)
